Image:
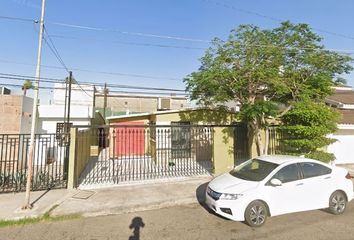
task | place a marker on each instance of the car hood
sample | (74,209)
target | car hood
(227,183)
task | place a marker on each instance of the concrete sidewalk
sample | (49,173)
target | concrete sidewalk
(106,201)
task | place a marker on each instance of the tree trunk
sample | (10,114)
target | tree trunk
(255,126)
(24,91)
(266,144)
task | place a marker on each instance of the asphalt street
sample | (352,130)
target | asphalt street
(188,222)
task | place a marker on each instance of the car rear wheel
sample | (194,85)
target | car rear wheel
(256,214)
(337,203)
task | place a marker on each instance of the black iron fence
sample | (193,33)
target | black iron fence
(141,152)
(48,162)
(276,144)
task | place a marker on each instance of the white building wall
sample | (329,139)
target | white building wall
(78,96)
(50,125)
(26,115)
(343,147)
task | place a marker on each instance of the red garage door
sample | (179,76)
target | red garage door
(129,140)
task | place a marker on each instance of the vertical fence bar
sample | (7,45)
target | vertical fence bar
(6,175)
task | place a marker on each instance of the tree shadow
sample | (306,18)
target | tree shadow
(200,195)
(136,224)
(41,196)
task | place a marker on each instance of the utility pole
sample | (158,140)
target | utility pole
(27,204)
(67,125)
(69,99)
(104,101)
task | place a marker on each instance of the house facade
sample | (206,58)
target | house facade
(15,114)
(157,145)
(343,101)
(173,134)
(82,109)
(121,104)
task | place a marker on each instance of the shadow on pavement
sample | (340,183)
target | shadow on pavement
(42,195)
(136,224)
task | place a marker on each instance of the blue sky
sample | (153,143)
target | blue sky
(117,52)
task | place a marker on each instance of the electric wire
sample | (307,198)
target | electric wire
(97,72)
(128,33)
(130,43)
(54,80)
(54,50)
(274,19)
(99,94)
(344,51)
(19,19)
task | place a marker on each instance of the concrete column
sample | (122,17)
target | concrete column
(223,149)
(72,176)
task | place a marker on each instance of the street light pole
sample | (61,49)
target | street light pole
(27,204)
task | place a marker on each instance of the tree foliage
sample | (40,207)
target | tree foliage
(307,124)
(27,84)
(261,69)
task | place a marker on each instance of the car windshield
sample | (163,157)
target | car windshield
(253,170)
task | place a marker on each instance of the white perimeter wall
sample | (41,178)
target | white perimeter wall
(343,148)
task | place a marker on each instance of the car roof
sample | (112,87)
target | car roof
(280,159)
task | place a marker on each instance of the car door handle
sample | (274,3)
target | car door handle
(299,184)
(327,177)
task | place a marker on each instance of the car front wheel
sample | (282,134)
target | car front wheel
(337,203)
(256,214)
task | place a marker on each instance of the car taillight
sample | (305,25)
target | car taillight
(348,176)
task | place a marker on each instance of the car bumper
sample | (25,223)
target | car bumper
(231,209)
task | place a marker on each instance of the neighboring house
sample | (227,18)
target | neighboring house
(15,126)
(121,104)
(15,113)
(170,132)
(82,110)
(343,101)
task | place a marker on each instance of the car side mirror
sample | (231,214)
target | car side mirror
(275,182)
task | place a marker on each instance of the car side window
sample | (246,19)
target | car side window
(310,169)
(288,173)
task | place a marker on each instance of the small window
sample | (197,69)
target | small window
(288,173)
(313,169)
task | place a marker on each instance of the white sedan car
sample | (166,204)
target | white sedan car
(277,184)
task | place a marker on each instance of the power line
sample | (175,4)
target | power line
(54,49)
(57,55)
(50,80)
(273,18)
(175,37)
(31,77)
(24,79)
(19,19)
(345,51)
(130,43)
(113,91)
(128,33)
(98,72)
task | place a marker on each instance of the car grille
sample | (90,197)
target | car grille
(214,195)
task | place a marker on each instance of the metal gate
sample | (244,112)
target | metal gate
(49,158)
(124,153)
(241,144)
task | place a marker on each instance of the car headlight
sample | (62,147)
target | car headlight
(230,196)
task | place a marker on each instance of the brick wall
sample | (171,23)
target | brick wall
(10,114)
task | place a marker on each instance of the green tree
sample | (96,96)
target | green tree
(307,125)
(263,69)
(27,84)
(340,82)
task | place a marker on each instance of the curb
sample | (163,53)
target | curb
(139,208)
